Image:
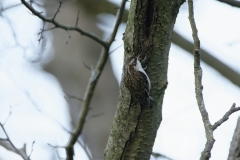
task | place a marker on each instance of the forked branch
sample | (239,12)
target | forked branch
(7,139)
(62,26)
(209,128)
(96,72)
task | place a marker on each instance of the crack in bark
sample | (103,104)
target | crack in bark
(149,16)
(132,132)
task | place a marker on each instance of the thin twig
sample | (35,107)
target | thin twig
(10,112)
(73,97)
(115,49)
(10,23)
(55,147)
(50,29)
(11,143)
(77,19)
(68,37)
(226,116)
(158,155)
(31,150)
(9,7)
(92,84)
(59,155)
(59,25)
(58,10)
(94,116)
(86,150)
(206,153)
(41,33)
(118,22)
(233,3)
(87,66)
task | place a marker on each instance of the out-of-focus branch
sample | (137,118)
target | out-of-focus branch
(209,128)
(95,72)
(158,155)
(233,3)
(234,151)
(31,150)
(9,7)
(86,150)
(73,97)
(179,40)
(59,25)
(222,68)
(117,23)
(14,148)
(215,63)
(92,84)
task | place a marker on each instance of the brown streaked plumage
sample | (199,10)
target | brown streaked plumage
(137,82)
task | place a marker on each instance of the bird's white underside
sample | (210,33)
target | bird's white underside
(139,68)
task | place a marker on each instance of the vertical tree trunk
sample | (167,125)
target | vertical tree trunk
(234,151)
(148,34)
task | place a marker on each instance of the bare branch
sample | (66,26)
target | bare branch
(58,25)
(233,3)
(86,150)
(58,10)
(87,66)
(206,153)
(41,33)
(8,116)
(94,116)
(24,156)
(92,84)
(68,37)
(9,7)
(7,146)
(158,155)
(59,156)
(50,29)
(54,147)
(118,22)
(73,97)
(226,116)
(31,150)
(115,49)
(212,61)
(77,19)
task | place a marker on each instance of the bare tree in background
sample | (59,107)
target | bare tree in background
(148,38)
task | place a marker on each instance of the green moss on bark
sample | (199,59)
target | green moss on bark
(149,32)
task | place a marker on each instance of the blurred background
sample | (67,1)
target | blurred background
(42,83)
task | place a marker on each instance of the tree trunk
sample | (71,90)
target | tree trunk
(234,151)
(148,34)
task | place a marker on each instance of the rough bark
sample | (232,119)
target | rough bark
(234,151)
(149,32)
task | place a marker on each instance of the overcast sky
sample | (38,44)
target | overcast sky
(181,135)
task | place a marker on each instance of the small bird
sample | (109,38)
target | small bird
(137,82)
